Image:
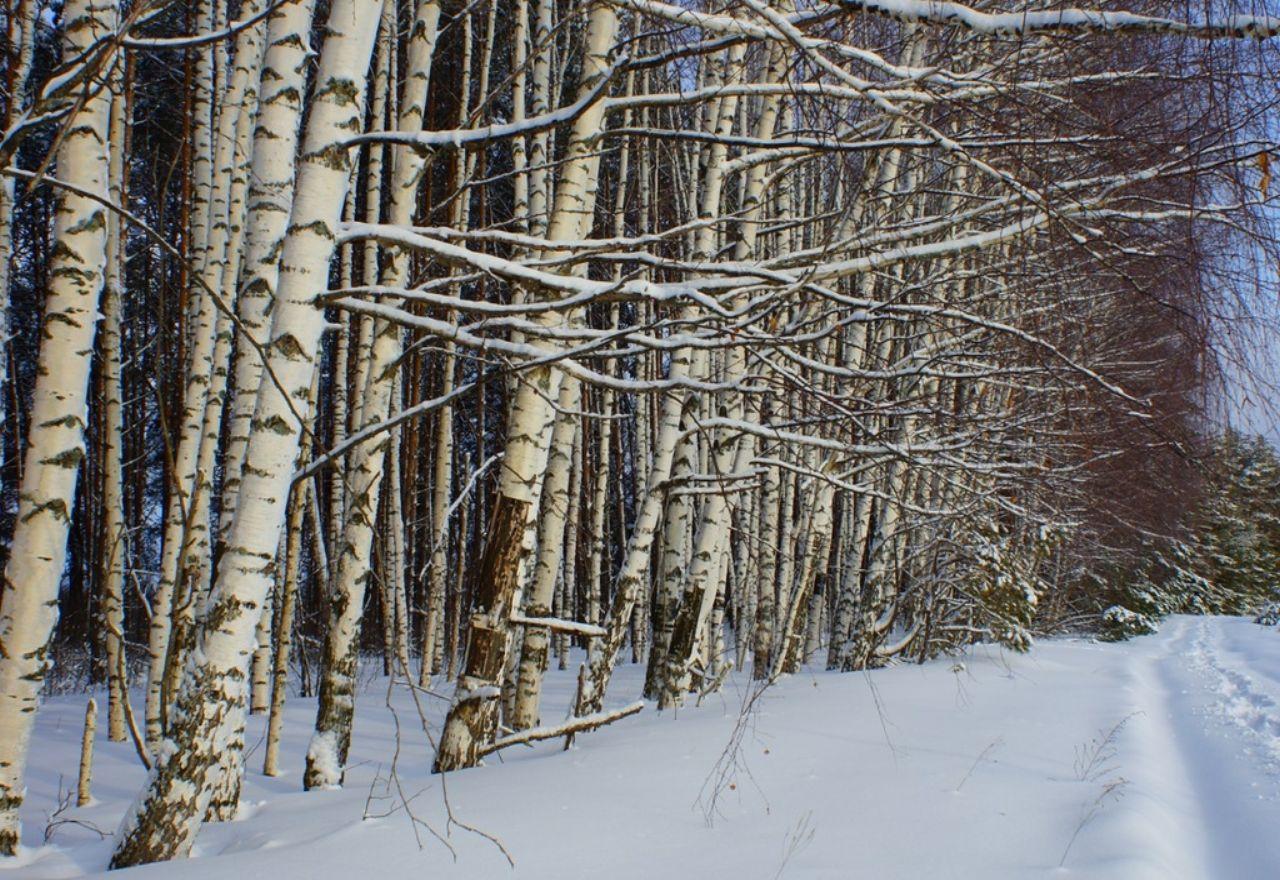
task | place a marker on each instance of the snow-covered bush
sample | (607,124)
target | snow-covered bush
(1236,530)
(1120,623)
(1005,578)
(1227,556)
(1269,615)
(1188,591)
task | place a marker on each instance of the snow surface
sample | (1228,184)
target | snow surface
(1156,758)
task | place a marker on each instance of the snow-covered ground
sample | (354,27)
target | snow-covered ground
(1157,758)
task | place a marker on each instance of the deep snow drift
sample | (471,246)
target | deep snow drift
(1158,758)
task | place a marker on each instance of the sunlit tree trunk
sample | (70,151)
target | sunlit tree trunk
(286,592)
(510,534)
(59,410)
(327,753)
(210,704)
(552,516)
(269,202)
(114,538)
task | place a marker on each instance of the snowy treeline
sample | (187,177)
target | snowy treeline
(696,335)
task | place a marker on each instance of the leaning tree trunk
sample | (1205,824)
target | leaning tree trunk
(270,197)
(270,200)
(240,104)
(327,753)
(508,550)
(684,362)
(207,379)
(59,409)
(210,704)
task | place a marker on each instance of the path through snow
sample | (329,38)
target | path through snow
(1159,758)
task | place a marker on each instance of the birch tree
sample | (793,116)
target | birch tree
(55,441)
(210,703)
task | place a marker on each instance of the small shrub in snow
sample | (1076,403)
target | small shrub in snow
(1005,579)
(1269,615)
(1120,623)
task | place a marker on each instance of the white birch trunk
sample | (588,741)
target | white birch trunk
(210,704)
(327,753)
(59,409)
(113,524)
(552,516)
(509,550)
(84,781)
(270,200)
